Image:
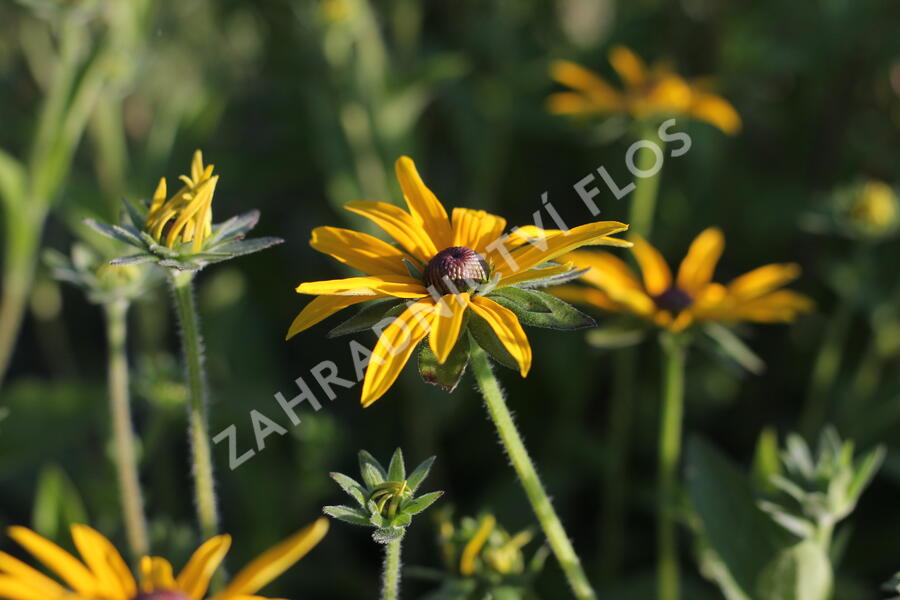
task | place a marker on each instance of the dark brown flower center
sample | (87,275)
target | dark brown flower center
(674,300)
(456,269)
(162,595)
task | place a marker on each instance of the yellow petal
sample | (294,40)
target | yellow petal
(655,271)
(423,205)
(671,94)
(194,578)
(585,295)
(629,66)
(595,89)
(105,562)
(359,250)
(576,103)
(197,166)
(508,329)
(781,306)
(399,286)
(535,273)
(159,196)
(446,323)
(762,280)
(276,561)
(156,574)
(70,569)
(696,270)
(470,552)
(398,224)
(557,244)
(14,589)
(29,577)
(717,111)
(476,229)
(394,347)
(604,269)
(320,308)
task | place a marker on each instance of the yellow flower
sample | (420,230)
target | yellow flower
(188,213)
(647,92)
(874,209)
(102,574)
(433,264)
(692,296)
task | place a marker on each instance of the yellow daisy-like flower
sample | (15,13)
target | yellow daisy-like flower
(188,213)
(447,267)
(692,296)
(648,92)
(102,574)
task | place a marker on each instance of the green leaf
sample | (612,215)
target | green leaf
(419,504)
(369,316)
(484,336)
(137,213)
(57,504)
(765,460)
(552,280)
(132,259)
(419,474)
(237,226)
(244,247)
(538,309)
(412,269)
(351,487)
(371,470)
(397,468)
(449,374)
(386,535)
(348,515)
(736,530)
(114,232)
(865,470)
(735,348)
(799,572)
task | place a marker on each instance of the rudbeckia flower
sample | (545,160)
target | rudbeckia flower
(647,92)
(446,275)
(102,574)
(691,296)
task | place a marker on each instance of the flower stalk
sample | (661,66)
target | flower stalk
(123,434)
(670,434)
(522,463)
(192,348)
(643,204)
(390,580)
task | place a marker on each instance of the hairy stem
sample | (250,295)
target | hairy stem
(192,347)
(123,434)
(390,579)
(669,457)
(524,467)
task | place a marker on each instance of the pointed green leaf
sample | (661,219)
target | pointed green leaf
(244,247)
(484,336)
(412,269)
(114,232)
(552,280)
(369,316)
(348,515)
(417,505)
(735,348)
(765,461)
(132,259)
(419,474)
(371,470)
(397,469)
(235,227)
(137,213)
(538,309)
(449,374)
(401,520)
(864,472)
(351,487)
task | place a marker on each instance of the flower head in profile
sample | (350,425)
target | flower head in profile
(675,303)
(177,231)
(447,277)
(102,573)
(647,92)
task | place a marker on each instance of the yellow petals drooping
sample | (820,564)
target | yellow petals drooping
(187,215)
(445,267)
(694,296)
(648,92)
(102,573)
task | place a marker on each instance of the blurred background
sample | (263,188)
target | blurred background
(304,105)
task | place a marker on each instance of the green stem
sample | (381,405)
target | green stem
(23,228)
(390,580)
(825,370)
(518,455)
(615,484)
(643,202)
(669,457)
(123,434)
(192,347)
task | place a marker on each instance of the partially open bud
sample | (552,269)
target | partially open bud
(455,269)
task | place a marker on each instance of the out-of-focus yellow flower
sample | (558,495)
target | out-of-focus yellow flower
(188,213)
(873,211)
(486,548)
(434,264)
(647,92)
(102,574)
(692,296)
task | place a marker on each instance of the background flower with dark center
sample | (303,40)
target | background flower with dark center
(445,276)
(102,574)
(648,92)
